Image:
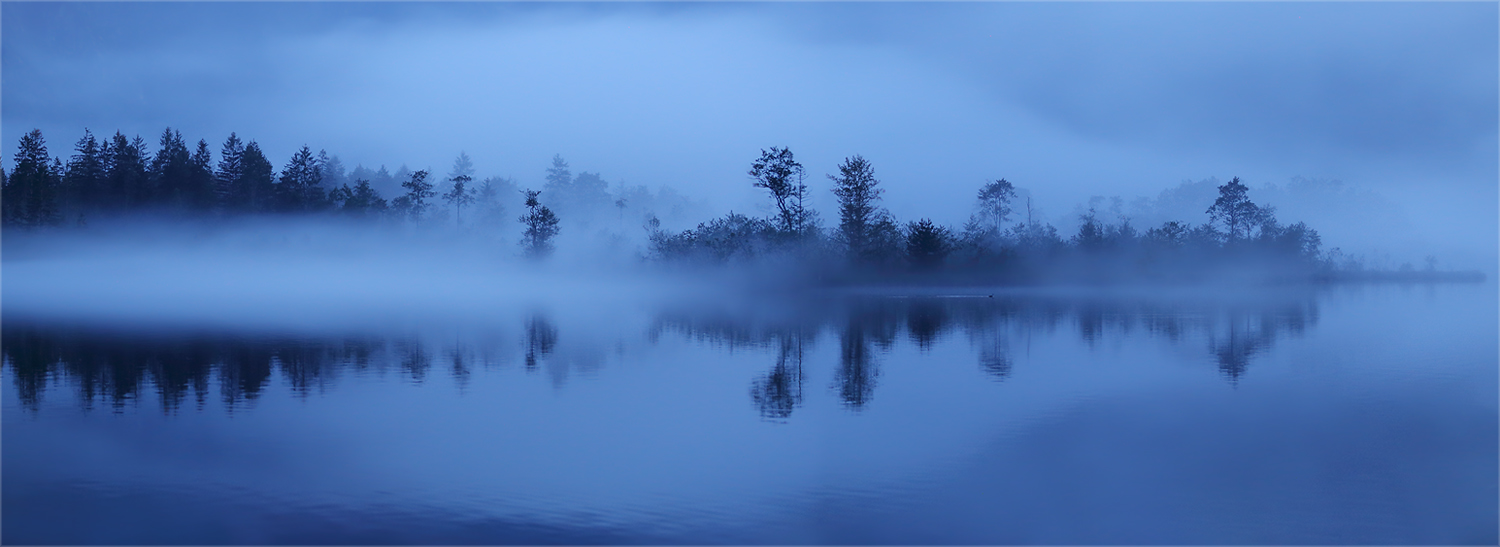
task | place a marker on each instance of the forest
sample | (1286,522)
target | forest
(1002,243)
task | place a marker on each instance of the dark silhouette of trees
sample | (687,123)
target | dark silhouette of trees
(459,196)
(1234,210)
(861,220)
(125,168)
(360,202)
(31,191)
(300,189)
(229,176)
(994,205)
(778,172)
(86,178)
(255,184)
(414,203)
(541,227)
(927,244)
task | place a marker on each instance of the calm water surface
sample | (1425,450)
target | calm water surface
(1359,415)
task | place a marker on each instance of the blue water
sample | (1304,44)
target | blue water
(1354,414)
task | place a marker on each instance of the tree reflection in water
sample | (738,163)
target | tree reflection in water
(114,367)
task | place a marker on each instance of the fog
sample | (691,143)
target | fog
(1067,101)
(312,275)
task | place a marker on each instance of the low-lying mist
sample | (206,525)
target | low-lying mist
(302,272)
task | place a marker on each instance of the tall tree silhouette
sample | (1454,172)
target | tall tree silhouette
(541,227)
(994,204)
(31,192)
(414,203)
(1234,210)
(859,211)
(460,196)
(257,179)
(778,172)
(300,186)
(85,179)
(127,183)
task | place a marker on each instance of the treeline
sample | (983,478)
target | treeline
(1001,242)
(117,176)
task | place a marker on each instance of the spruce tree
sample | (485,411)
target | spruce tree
(86,177)
(233,197)
(859,211)
(30,193)
(256,186)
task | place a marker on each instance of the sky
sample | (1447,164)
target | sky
(1066,100)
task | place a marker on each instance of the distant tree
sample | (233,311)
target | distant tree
(994,205)
(1090,232)
(171,172)
(126,180)
(463,166)
(229,177)
(927,244)
(334,174)
(201,191)
(360,201)
(299,189)
(488,203)
(30,194)
(541,227)
(460,196)
(859,198)
(86,178)
(559,178)
(1234,210)
(1171,235)
(257,179)
(778,172)
(1296,240)
(414,203)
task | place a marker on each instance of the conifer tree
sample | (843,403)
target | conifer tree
(859,197)
(86,177)
(126,179)
(256,185)
(30,193)
(229,177)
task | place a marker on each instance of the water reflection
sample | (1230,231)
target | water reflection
(114,368)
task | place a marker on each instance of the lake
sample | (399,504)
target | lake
(1354,414)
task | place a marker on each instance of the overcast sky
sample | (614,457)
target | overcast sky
(1067,100)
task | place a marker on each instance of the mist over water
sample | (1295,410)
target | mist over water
(396,273)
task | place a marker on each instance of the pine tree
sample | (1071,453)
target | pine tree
(233,196)
(171,172)
(256,184)
(858,194)
(994,204)
(126,180)
(201,186)
(414,203)
(541,227)
(298,189)
(1235,211)
(86,177)
(30,193)
(459,196)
